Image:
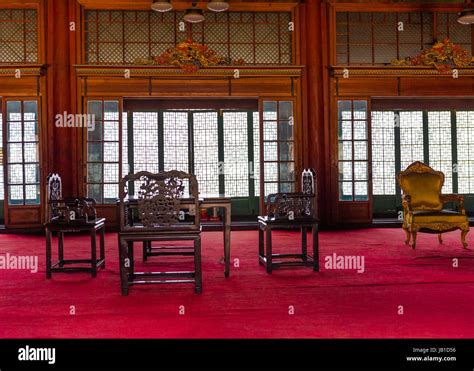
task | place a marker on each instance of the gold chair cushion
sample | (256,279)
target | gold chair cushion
(443,216)
(424,190)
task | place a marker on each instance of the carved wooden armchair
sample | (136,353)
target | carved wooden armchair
(72,214)
(160,210)
(423,204)
(290,210)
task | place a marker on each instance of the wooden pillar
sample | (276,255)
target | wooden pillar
(61,140)
(316,41)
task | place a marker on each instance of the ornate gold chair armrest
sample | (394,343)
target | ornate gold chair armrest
(454,198)
(406,202)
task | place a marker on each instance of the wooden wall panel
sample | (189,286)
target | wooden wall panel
(382,86)
(24,216)
(352,212)
(442,86)
(245,87)
(12,87)
(263,86)
(190,88)
(115,86)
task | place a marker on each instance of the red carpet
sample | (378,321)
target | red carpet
(437,299)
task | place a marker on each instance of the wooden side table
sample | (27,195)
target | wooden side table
(62,265)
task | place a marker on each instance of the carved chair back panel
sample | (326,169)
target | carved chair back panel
(159,196)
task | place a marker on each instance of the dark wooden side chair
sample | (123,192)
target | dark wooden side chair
(159,208)
(286,211)
(72,214)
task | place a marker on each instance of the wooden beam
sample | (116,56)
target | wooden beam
(265,6)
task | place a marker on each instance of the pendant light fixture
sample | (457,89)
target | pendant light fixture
(194,14)
(218,5)
(162,6)
(466,16)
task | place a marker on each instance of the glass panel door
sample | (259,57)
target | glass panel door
(441,138)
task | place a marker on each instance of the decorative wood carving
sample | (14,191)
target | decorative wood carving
(297,205)
(159,71)
(399,71)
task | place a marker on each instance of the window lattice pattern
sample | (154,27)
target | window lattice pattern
(353,150)
(257,37)
(439,138)
(375,38)
(448,27)
(125,164)
(103,156)
(383,152)
(236,154)
(23,153)
(145,142)
(206,152)
(465,151)
(18,36)
(411,138)
(256,152)
(278,146)
(175,132)
(2,190)
(120,37)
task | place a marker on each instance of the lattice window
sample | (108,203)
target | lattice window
(2,189)
(18,36)
(411,138)
(383,152)
(236,153)
(145,142)
(447,26)
(465,151)
(439,139)
(256,152)
(23,153)
(176,139)
(375,38)
(278,146)
(121,37)
(103,155)
(353,150)
(125,162)
(206,152)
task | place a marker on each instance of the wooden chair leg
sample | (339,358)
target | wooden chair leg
(197,265)
(61,248)
(261,244)
(123,261)
(304,243)
(464,233)
(316,247)
(48,254)
(131,254)
(145,250)
(93,254)
(440,238)
(408,236)
(102,246)
(268,232)
(414,239)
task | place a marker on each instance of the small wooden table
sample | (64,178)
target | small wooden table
(62,227)
(208,203)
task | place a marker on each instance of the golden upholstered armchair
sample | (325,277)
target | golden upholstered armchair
(423,204)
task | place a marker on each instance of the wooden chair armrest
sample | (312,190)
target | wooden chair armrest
(454,198)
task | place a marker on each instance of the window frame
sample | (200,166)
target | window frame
(6,162)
